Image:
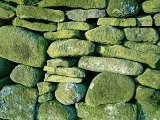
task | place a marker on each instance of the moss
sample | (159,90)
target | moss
(6,14)
(46,97)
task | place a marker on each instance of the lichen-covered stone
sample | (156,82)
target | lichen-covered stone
(103,64)
(157,19)
(46,97)
(121,22)
(70,48)
(70,93)
(122,8)
(62,34)
(120,111)
(22,46)
(110,88)
(26,75)
(26,2)
(83,26)
(36,26)
(141,34)
(145,20)
(83,15)
(7,6)
(105,35)
(18,102)
(53,110)
(5,81)
(39,13)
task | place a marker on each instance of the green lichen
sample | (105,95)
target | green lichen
(157,19)
(145,20)
(46,97)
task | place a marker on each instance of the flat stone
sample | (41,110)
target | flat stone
(122,8)
(120,111)
(121,22)
(5,81)
(26,75)
(105,35)
(70,48)
(39,13)
(110,88)
(145,20)
(70,93)
(22,46)
(46,97)
(83,15)
(18,102)
(115,65)
(141,34)
(7,6)
(36,26)
(157,19)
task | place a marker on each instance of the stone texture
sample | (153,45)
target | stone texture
(103,64)
(157,19)
(18,102)
(26,75)
(70,48)
(104,35)
(22,46)
(46,97)
(110,88)
(122,8)
(70,93)
(26,2)
(5,81)
(145,20)
(39,13)
(7,6)
(83,15)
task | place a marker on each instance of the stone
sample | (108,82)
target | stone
(145,20)
(36,26)
(115,65)
(74,4)
(70,48)
(7,6)
(70,93)
(55,111)
(46,97)
(110,88)
(120,22)
(26,2)
(122,8)
(120,111)
(45,87)
(83,26)
(62,34)
(26,75)
(58,78)
(22,46)
(105,35)
(18,102)
(141,34)
(5,81)
(119,51)
(39,13)
(157,19)
(83,15)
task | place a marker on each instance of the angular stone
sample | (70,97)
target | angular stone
(22,46)
(105,35)
(157,19)
(122,8)
(36,26)
(74,4)
(83,15)
(39,13)
(70,93)
(121,22)
(18,102)
(26,75)
(62,34)
(83,26)
(118,51)
(70,48)
(5,81)
(145,20)
(141,34)
(46,97)
(53,110)
(110,88)
(103,64)
(120,111)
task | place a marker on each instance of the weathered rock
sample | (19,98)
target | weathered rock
(5,81)
(7,6)
(144,20)
(122,8)
(26,2)
(105,35)
(40,13)
(157,19)
(18,102)
(70,93)
(22,46)
(46,97)
(26,75)
(141,34)
(55,111)
(70,48)
(110,88)
(103,64)
(120,111)
(83,15)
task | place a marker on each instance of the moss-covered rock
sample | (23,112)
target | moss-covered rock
(26,2)
(157,19)
(45,97)
(145,20)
